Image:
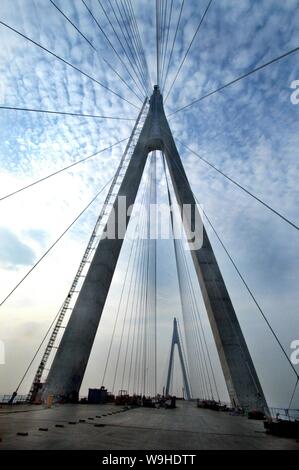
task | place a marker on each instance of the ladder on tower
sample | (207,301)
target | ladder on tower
(89,252)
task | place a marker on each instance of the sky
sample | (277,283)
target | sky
(249,131)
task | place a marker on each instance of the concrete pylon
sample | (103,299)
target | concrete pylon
(67,371)
(176,341)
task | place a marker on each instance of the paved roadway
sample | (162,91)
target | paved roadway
(185,428)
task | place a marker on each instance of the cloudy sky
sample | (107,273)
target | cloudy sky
(250,131)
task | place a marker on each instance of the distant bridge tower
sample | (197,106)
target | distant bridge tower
(68,367)
(176,341)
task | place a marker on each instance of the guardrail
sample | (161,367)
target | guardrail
(19,399)
(284,414)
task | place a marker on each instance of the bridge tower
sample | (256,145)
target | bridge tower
(176,341)
(68,367)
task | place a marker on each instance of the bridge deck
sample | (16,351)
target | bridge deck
(186,427)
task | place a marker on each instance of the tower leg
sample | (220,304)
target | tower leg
(176,341)
(68,367)
(242,381)
(184,371)
(170,367)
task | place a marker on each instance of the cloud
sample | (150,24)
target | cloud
(13,252)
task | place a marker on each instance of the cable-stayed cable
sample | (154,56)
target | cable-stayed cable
(124,319)
(189,306)
(158,42)
(285,219)
(37,351)
(136,308)
(140,371)
(173,44)
(136,40)
(66,113)
(139,78)
(139,40)
(244,281)
(53,244)
(127,21)
(131,289)
(73,24)
(95,49)
(110,44)
(121,43)
(129,38)
(113,48)
(251,294)
(196,310)
(164,5)
(140,356)
(167,39)
(129,275)
(236,80)
(61,170)
(67,63)
(188,49)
